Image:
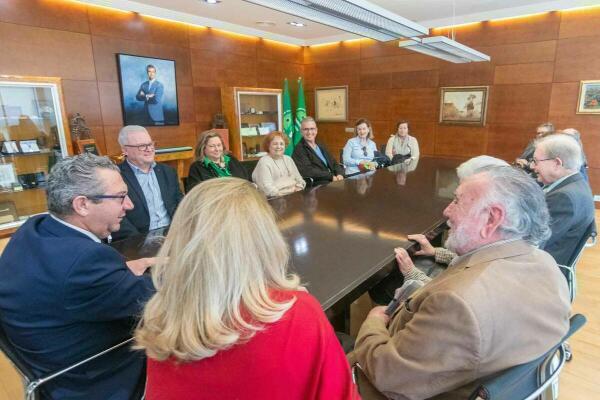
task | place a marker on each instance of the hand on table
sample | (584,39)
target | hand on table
(405,264)
(426,247)
(338,178)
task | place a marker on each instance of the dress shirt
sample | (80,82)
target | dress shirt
(159,216)
(402,146)
(320,155)
(354,153)
(78,229)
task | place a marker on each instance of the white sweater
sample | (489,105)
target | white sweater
(277,177)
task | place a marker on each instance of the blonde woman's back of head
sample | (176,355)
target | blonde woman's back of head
(223,254)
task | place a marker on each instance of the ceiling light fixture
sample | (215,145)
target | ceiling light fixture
(298,24)
(445,48)
(265,23)
(212,1)
(356,16)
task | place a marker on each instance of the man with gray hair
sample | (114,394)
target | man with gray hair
(65,296)
(557,160)
(153,188)
(500,303)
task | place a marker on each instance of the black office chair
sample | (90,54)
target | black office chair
(32,385)
(535,379)
(569,270)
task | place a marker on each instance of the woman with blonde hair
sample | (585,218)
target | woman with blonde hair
(211,161)
(359,151)
(276,174)
(227,319)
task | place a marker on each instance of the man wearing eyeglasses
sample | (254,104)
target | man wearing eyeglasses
(153,188)
(557,160)
(65,296)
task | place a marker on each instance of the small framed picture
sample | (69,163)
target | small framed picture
(589,97)
(8,175)
(464,105)
(86,146)
(331,104)
(10,147)
(29,146)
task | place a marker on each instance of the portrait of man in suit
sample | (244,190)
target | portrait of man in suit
(148,88)
(151,93)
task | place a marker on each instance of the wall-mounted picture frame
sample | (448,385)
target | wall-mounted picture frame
(331,104)
(148,88)
(464,105)
(86,146)
(589,97)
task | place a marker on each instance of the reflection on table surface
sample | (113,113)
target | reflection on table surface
(342,234)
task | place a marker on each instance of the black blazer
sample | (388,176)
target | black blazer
(138,219)
(310,165)
(199,172)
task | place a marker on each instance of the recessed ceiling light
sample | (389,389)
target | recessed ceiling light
(212,1)
(265,23)
(294,23)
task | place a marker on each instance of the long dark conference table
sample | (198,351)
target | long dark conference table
(342,235)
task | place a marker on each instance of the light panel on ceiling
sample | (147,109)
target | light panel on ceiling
(355,16)
(444,48)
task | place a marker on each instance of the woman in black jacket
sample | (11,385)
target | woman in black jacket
(212,162)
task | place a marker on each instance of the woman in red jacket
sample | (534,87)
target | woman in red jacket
(227,320)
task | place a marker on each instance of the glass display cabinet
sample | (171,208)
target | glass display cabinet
(32,138)
(252,113)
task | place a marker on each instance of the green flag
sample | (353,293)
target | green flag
(300,113)
(288,125)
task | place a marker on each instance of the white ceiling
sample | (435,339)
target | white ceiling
(241,17)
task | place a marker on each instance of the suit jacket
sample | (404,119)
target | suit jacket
(495,308)
(571,207)
(199,172)
(154,105)
(64,297)
(137,220)
(311,166)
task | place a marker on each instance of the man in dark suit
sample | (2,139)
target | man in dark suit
(153,188)
(151,93)
(557,160)
(312,158)
(65,296)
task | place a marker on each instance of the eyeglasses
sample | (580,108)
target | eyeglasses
(142,147)
(535,161)
(308,129)
(109,196)
(364,149)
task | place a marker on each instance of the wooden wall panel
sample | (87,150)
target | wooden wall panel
(508,140)
(578,23)
(524,73)
(415,104)
(343,51)
(521,53)
(460,141)
(415,79)
(400,63)
(45,52)
(577,59)
(222,42)
(376,81)
(83,97)
(270,50)
(523,103)
(52,14)
(110,103)
(470,74)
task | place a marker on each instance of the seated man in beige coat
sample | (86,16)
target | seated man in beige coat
(500,303)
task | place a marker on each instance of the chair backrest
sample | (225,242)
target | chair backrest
(590,233)
(523,381)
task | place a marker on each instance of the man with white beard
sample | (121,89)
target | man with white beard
(501,302)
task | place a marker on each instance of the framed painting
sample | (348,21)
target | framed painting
(589,97)
(148,90)
(331,104)
(465,105)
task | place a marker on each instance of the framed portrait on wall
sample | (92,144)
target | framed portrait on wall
(148,90)
(465,105)
(331,104)
(589,97)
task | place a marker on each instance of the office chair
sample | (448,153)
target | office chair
(32,384)
(533,380)
(569,270)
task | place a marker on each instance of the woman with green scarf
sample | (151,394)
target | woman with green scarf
(212,162)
